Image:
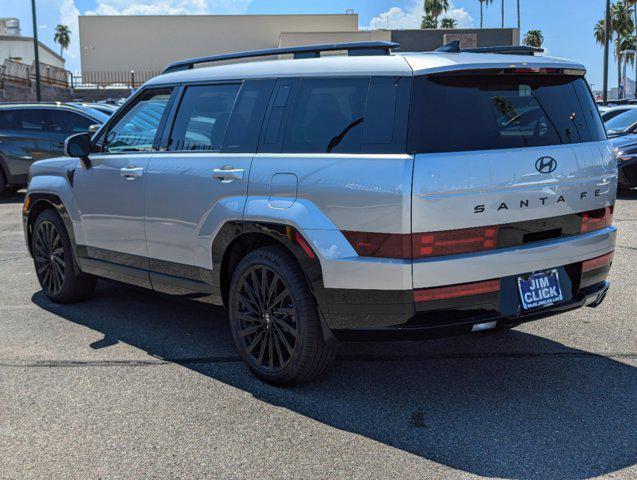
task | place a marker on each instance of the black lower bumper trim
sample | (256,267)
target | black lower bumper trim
(591,296)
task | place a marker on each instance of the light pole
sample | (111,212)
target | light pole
(38,92)
(606,49)
(624,54)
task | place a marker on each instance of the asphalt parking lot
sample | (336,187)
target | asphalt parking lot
(136,385)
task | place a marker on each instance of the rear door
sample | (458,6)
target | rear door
(23,140)
(200,181)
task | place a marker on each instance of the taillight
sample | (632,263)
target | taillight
(452,242)
(455,291)
(387,245)
(597,262)
(597,219)
(419,245)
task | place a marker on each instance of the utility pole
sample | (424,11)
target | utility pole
(36,48)
(606,49)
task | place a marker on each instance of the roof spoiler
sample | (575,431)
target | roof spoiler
(307,51)
(454,47)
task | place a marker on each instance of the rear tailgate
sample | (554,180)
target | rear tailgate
(524,153)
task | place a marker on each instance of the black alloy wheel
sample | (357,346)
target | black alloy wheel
(59,278)
(267,319)
(48,254)
(274,319)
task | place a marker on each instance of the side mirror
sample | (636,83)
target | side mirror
(79,146)
(93,128)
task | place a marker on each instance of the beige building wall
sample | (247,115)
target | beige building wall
(293,39)
(123,43)
(21,49)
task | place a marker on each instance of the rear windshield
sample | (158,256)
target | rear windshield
(453,112)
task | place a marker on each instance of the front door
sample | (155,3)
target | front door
(110,193)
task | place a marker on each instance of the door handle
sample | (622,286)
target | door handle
(59,145)
(131,172)
(228,174)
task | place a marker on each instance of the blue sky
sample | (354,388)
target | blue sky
(567,24)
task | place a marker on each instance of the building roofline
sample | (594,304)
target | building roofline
(30,39)
(355,14)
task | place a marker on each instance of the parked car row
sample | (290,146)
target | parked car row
(621,127)
(36,131)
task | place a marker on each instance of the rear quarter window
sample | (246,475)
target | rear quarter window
(482,112)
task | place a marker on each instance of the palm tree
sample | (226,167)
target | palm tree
(534,38)
(62,36)
(448,23)
(428,22)
(435,8)
(487,2)
(622,25)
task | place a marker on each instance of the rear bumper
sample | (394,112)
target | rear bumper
(420,326)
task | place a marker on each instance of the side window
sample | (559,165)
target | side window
(242,135)
(136,130)
(386,115)
(327,116)
(22,119)
(202,117)
(67,123)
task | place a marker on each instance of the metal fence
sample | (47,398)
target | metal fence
(24,74)
(111,79)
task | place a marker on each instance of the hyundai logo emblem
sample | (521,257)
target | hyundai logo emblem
(546,164)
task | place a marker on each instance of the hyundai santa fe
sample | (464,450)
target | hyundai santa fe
(328,198)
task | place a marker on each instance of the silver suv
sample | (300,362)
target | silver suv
(373,195)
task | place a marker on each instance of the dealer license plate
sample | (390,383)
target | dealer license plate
(539,289)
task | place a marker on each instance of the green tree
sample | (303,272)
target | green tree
(621,27)
(62,36)
(429,22)
(435,8)
(448,23)
(534,38)
(483,2)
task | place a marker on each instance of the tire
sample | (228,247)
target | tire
(53,260)
(274,319)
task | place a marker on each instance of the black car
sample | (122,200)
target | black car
(35,131)
(626,152)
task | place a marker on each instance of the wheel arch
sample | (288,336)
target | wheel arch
(236,239)
(39,202)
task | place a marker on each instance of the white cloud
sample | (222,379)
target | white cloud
(169,7)
(396,18)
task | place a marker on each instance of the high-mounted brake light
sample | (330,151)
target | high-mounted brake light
(455,291)
(597,219)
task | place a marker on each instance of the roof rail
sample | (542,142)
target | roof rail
(307,51)
(454,47)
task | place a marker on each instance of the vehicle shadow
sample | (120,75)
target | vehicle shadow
(510,405)
(627,194)
(12,197)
